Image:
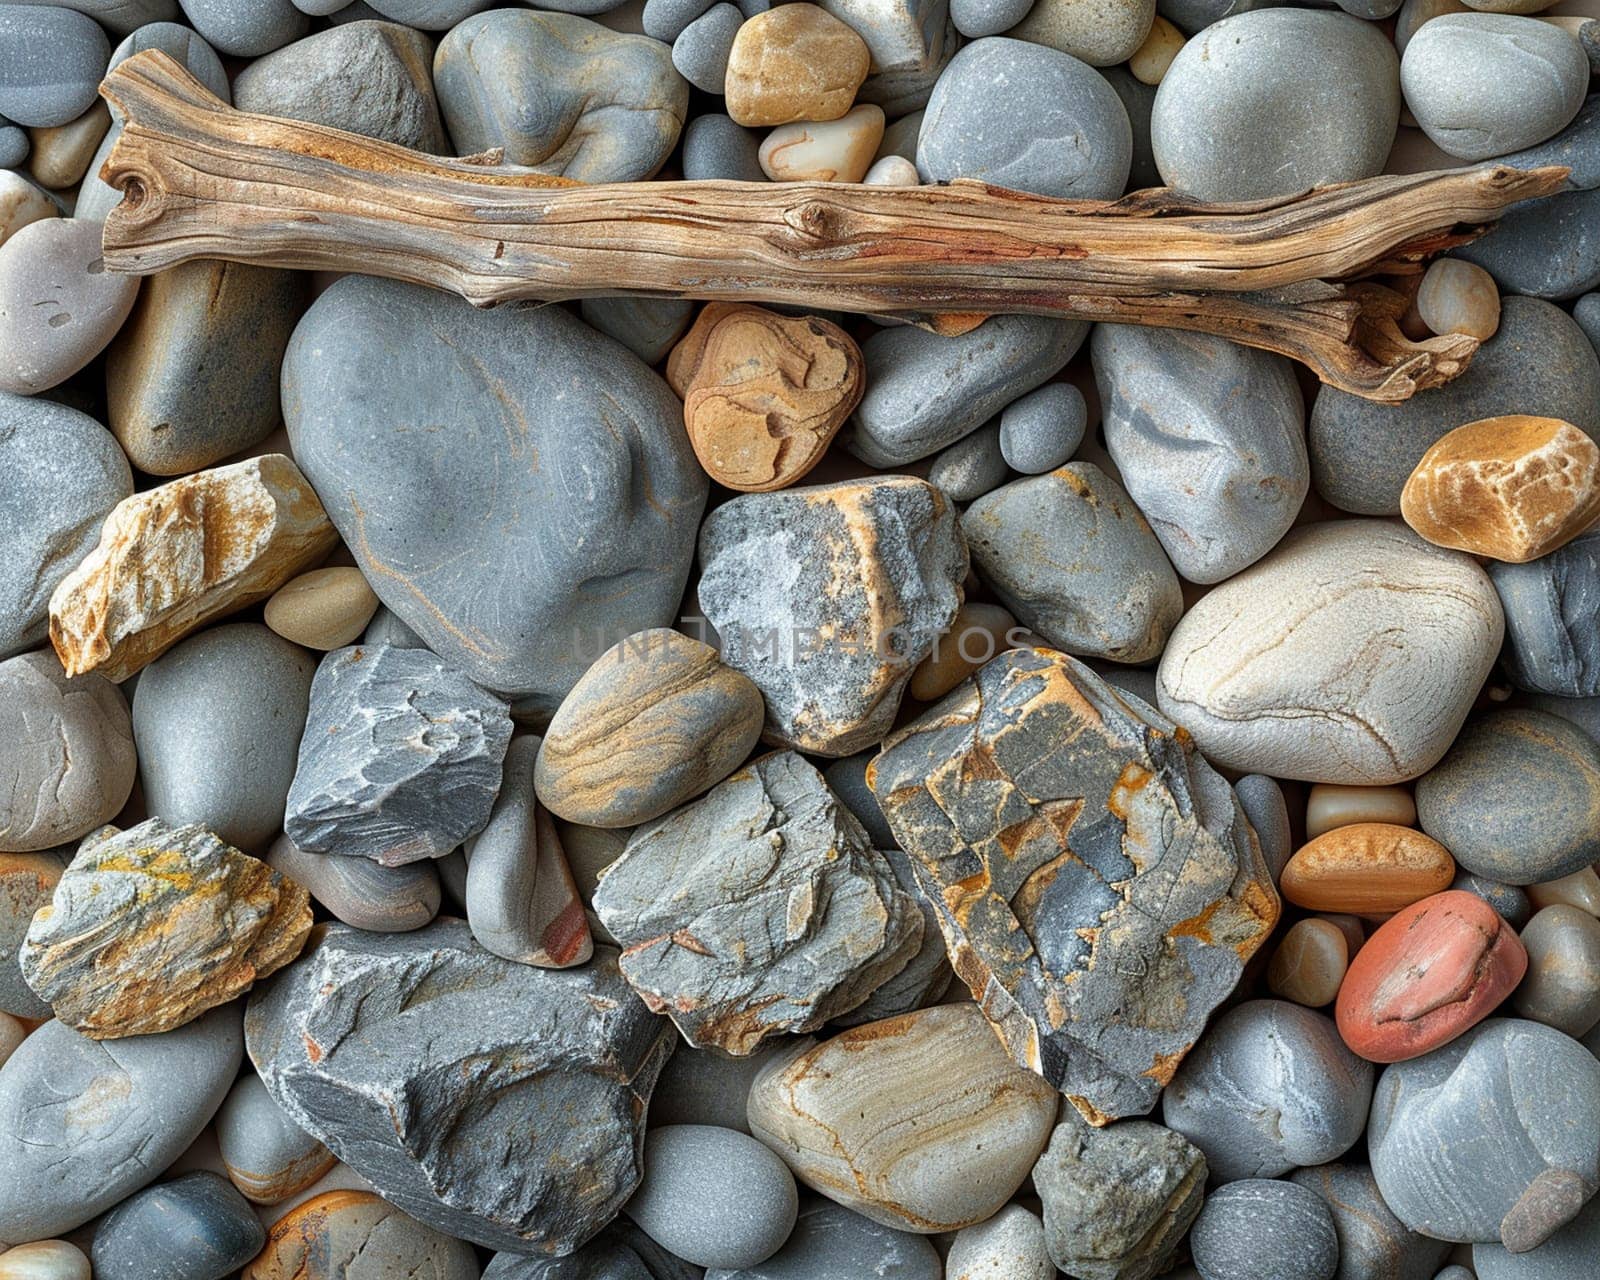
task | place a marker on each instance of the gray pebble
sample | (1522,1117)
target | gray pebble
(668,19)
(1583,712)
(1057,129)
(14,145)
(431,15)
(401,758)
(196,1227)
(1539,363)
(246,28)
(1568,1255)
(1139,101)
(910,88)
(1373,1243)
(1271,102)
(218,719)
(714,147)
(1262,800)
(831,1242)
(1466,1273)
(179,42)
(1552,607)
(1510,902)
(1516,798)
(1043,429)
(361,892)
(1192,16)
(900,137)
(1587,313)
(51,61)
(972,466)
(1562,986)
(1258,1229)
(132,1107)
(847,779)
(648,327)
(713,1197)
(925,391)
(705,1087)
(1484,84)
(620,1252)
(387,628)
(700,53)
(1070,555)
(1269,1086)
(1494,1136)
(1209,437)
(1546,248)
(64,474)
(1577,147)
(975,18)
(267,1156)
(1139,681)
(117,16)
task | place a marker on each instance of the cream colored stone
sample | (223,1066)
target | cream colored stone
(1459,297)
(1351,653)
(833,151)
(324,609)
(60,156)
(44,1260)
(1330,805)
(980,632)
(175,557)
(794,62)
(1150,60)
(1581,889)
(21,203)
(920,1122)
(1099,32)
(1309,964)
(892,171)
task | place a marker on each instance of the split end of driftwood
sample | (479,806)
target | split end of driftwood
(201,180)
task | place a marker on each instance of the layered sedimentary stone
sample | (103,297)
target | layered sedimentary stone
(828,597)
(172,558)
(758,909)
(1098,885)
(496,1102)
(401,758)
(150,927)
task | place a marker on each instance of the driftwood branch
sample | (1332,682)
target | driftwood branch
(201,180)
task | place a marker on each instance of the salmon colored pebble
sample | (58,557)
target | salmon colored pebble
(1368,868)
(1437,968)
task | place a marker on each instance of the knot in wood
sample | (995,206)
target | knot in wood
(816,220)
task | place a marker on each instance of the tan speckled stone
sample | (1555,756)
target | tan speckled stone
(1309,964)
(795,62)
(1099,32)
(1151,59)
(60,156)
(1367,868)
(324,609)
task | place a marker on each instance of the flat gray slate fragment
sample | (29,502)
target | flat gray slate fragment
(757,909)
(620,1252)
(1260,1229)
(1373,1243)
(1552,608)
(1070,839)
(572,499)
(401,758)
(85,1123)
(195,1227)
(495,1102)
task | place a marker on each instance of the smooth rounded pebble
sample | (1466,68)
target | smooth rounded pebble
(1330,805)
(1367,868)
(1260,1229)
(1509,901)
(359,891)
(1099,32)
(892,171)
(1010,1246)
(648,327)
(266,1155)
(323,609)
(832,1243)
(1262,800)
(1351,654)
(196,1227)
(246,28)
(974,18)
(972,466)
(51,61)
(44,1260)
(1043,429)
(1270,1086)
(1581,889)
(792,63)
(1373,1243)
(1516,798)
(713,1197)
(354,1235)
(1459,297)
(715,147)
(1567,1255)
(828,151)
(1271,102)
(1309,964)
(701,51)
(1562,986)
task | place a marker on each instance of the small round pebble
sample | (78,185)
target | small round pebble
(1259,1229)
(14,146)
(51,61)
(980,632)
(1043,429)
(1152,58)
(1309,964)
(359,891)
(246,28)
(196,1227)
(44,1260)
(1330,805)
(974,18)
(972,466)
(1562,986)
(21,203)
(1099,32)
(713,1197)
(265,1154)
(892,171)
(701,50)
(1459,297)
(830,151)
(323,609)
(1010,1246)
(668,19)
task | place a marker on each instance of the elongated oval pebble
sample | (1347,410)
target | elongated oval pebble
(978,633)
(1368,868)
(324,609)
(361,892)
(44,1260)
(1562,986)
(1309,964)
(1331,805)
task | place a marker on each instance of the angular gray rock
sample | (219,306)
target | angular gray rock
(757,909)
(1261,1229)
(1118,1200)
(85,1123)
(451,1079)
(218,719)
(1373,1243)
(1092,964)
(574,495)
(925,392)
(1552,607)
(1209,438)
(927,975)
(783,582)
(1072,556)
(65,473)
(401,758)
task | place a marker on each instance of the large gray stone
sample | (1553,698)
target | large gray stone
(1577,148)
(757,909)
(64,473)
(1538,363)
(51,61)
(1088,963)
(569,496)
(1552,608)
(1546,248)
(401,757)
(831,1242)
(218,720)
(925,392)
(1210,440)
(85,1123)
(246,28)
(1260,1229)
(493,1101)
(116,16)
(1373,1243)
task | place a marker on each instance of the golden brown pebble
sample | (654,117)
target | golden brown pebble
(1512,488)
(324,609)
(1309,964)
(979,632)
(1368,868)
(61,155)
(795,62)
(763,394)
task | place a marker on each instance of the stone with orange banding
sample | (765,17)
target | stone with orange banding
(1367,868)
(1434,970)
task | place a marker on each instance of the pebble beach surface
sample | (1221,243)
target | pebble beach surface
(642,789)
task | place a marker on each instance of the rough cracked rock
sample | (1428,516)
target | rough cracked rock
(153,926)
(758,909)
(828,597)
(173,558)
(450,1079)
(401,758)
(763,394)
(1098,885)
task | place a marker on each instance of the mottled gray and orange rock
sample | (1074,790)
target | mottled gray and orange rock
(794,63)
(918,1122)
(828,597)
(151,927)
(496,1102)
(654,722)
(1099,887)
(175,557)
(26,882)
(1512,488)
(758,909)
(763,394)
(355,1235)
